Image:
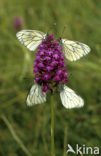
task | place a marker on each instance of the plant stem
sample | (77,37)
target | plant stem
(52,127)
(15,136)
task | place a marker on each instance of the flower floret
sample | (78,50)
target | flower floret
(49,65)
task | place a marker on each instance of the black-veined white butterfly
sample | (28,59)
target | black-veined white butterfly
(36,96)
(73,51)
(69,98)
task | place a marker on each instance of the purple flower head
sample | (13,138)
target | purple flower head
(49,66)
(17,22)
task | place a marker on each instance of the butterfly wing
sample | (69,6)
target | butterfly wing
(36,96)
(69,98)
(31,38)
(74,50)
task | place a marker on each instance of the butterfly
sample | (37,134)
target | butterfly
(68,97)
(73,50)
(36,96)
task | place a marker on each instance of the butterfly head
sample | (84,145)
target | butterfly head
(60,41)
(47,35)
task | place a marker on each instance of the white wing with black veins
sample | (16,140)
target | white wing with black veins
(74,50)
(31,38)
(69,98)
(36,96)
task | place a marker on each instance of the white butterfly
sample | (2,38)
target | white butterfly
(73,50)
(31,38)
(69,98)
(36,96)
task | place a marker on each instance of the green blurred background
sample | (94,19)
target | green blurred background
(26,131)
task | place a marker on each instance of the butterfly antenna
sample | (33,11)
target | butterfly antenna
(62,33)
(51,27)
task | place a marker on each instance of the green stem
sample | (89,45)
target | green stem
(52,127)
(15,136)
